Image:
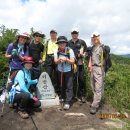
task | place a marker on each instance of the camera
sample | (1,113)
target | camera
(89,51)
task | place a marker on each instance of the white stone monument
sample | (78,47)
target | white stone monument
(46,92)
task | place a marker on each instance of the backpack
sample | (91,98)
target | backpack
(12,77)
(107,58)
(13,90)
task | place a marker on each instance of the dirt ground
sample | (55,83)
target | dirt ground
(77,118)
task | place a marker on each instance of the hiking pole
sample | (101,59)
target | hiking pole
(77,83)
(33,122)
(61,85)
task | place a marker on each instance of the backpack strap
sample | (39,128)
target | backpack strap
(66,55)
(13,90)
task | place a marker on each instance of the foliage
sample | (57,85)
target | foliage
(117,87)
(117,84)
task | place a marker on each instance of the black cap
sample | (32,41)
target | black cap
(38,32)
(62,39)
(53,31)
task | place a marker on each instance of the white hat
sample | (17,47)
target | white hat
(25,34)
(74,30)
(95,34)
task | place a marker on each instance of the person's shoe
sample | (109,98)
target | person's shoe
(23,114)
(83,99)
(93,110)
(66,106)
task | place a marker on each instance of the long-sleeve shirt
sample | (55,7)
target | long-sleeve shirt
(23,79)
(15,62)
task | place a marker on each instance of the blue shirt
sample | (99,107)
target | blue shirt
(20,79)
(64,67)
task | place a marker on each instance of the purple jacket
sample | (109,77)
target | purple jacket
(15,62)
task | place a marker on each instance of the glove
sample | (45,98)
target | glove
(35,99)
(14,52)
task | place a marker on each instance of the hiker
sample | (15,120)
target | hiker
(48,57)
(35,51)
(96,68)
(20,94)
(16,51)
(64,58)
(79,47)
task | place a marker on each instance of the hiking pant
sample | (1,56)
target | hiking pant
(24,102)
(80,83)
(51,69)
(97,84)
(66,85)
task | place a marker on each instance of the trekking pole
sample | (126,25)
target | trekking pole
(61,85)
(33,122)
(77,83)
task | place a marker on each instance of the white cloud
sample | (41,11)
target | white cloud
(108,17)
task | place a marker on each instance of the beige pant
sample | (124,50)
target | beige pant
(97,84)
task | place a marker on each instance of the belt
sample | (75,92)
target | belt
(97,65)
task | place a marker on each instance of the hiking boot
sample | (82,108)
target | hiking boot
(93,110)
(23,114)
(66,106)
(83,99)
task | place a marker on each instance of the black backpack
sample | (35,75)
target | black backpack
(107,58)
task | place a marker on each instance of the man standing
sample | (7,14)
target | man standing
(97,72)
(35,50)
(79,47)
(48,57)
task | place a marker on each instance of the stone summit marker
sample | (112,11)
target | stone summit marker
(46,92)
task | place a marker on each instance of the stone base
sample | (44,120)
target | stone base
(50,102)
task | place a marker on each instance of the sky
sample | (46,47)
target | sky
(111,18)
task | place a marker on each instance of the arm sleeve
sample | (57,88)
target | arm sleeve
(33,81)
(9,49)
(55,54)
(44,51)
(21,81)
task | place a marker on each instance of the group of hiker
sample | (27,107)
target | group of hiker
(64,62)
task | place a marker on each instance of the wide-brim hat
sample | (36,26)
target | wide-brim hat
(38,32)
(27,59)
(25,34)
(62,39)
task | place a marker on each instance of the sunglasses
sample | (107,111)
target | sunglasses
(38,35)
